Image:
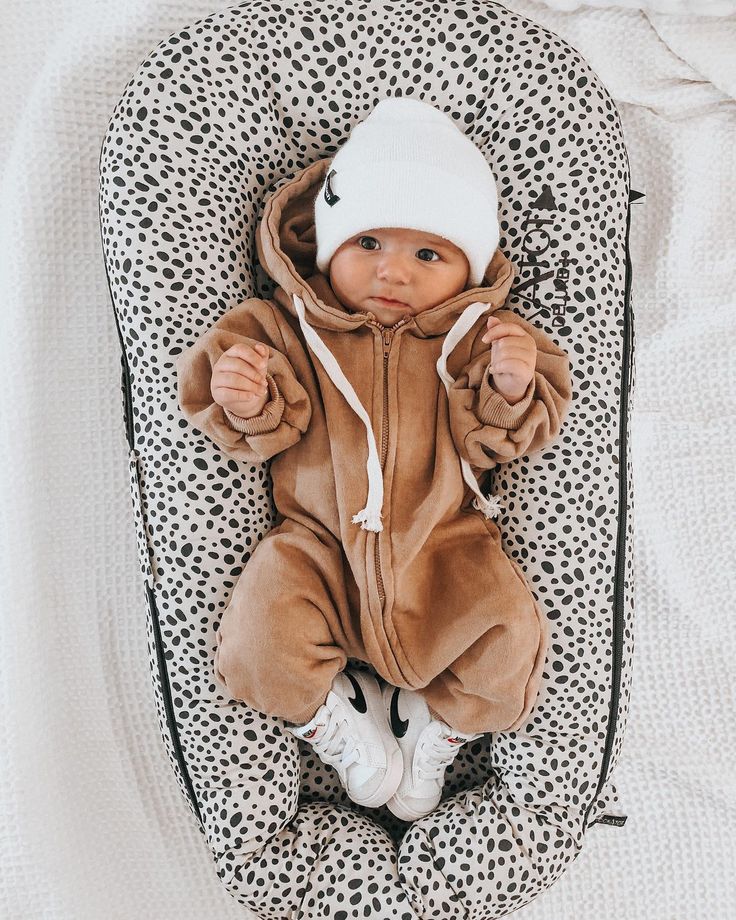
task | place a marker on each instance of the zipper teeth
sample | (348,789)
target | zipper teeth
(384,445)
(384,427)
(618,626)
(387,335)
(620,577)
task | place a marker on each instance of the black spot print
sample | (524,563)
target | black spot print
(217,116)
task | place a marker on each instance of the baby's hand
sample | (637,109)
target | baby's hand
(239,380)
(513,358)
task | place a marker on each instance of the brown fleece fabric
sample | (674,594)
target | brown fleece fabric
(431,601)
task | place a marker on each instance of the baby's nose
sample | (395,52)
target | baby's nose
(392,268)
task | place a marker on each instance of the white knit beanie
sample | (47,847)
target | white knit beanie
(408,165)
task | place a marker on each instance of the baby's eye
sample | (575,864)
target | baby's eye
(360,241)
(427,250)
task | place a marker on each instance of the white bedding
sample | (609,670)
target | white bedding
(94,826)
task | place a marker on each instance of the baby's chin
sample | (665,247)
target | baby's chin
(414,309)
(387,314)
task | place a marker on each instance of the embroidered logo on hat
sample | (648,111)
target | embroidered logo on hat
(330,197)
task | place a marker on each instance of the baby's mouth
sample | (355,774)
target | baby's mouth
(396,304)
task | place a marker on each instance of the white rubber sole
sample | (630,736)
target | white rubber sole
(396,808)
(389,785)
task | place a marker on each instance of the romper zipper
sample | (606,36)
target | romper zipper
(388,334)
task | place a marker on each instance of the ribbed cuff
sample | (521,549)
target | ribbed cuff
(306,715)
(269,417)
(494,410)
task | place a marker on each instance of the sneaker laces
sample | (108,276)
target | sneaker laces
(436,756)
(335,746)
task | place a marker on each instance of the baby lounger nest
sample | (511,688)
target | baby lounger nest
(216,117)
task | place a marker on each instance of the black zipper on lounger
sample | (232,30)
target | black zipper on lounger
(153,610)
(620,577)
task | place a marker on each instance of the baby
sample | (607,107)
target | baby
(375,369)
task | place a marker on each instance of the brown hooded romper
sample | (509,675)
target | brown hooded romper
(382,550)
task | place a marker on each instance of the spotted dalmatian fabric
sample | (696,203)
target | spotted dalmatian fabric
(216,117)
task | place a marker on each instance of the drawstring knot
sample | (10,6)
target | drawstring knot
(490,505)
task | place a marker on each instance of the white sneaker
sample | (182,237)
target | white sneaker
(350,733)
(428,746)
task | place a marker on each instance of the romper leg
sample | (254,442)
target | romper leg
(287,630)
(493,685)
(470,627)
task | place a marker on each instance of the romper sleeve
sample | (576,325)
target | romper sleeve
(285,416)
(486,429)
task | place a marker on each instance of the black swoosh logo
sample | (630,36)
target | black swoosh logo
(358,701)
(398,725)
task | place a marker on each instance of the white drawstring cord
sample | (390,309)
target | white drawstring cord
(369,517)
(490,506)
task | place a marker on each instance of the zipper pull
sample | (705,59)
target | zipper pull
(386,342)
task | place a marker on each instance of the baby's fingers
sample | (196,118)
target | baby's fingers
(240,383)
(245,403)
(491,323)
(238,366)
(248,353)
(238,401)
(497,330)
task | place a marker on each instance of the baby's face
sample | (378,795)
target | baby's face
(417,269)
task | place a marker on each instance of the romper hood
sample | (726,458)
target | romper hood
(287,248)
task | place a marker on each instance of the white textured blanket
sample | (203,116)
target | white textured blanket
(93,824)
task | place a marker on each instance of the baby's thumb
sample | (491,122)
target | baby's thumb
(490,323)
